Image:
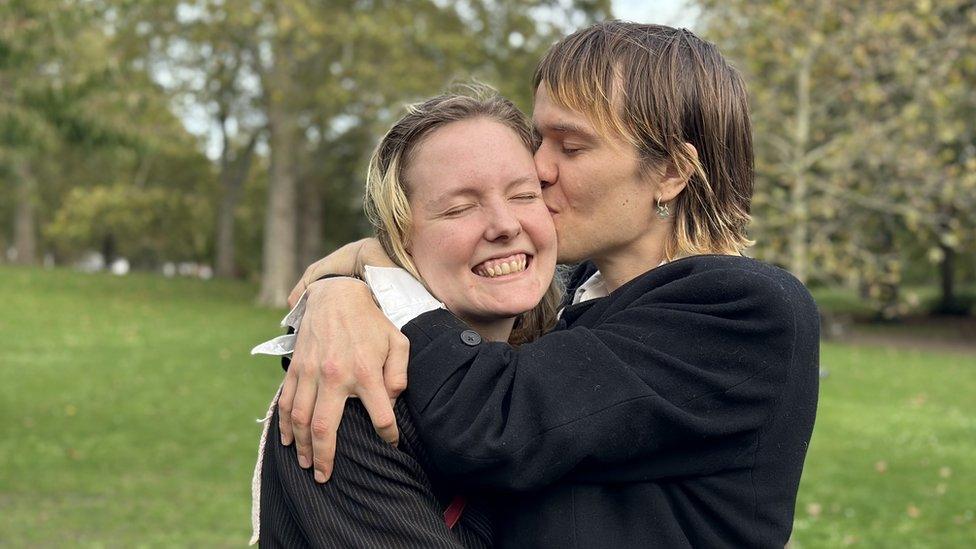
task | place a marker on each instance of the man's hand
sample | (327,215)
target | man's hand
(345,347)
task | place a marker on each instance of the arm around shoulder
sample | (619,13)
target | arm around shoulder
(680,364)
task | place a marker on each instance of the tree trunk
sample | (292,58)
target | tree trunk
(232,177)
(25,217)
(947,268)
(310,224)
(799,233)
(278,268)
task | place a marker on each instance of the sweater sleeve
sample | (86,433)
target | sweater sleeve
(671,380)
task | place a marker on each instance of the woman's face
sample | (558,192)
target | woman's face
(482,237)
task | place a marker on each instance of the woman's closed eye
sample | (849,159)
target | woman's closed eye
(457,210)
(525,197)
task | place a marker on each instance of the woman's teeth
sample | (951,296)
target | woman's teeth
(504,266)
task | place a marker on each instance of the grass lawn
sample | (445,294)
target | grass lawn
(128,409)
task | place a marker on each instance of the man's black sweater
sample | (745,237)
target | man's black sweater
(675,412)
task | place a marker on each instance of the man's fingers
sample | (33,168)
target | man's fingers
(325,424)
(380,410)
(301,418)
(285,403)
(395,367)
(296,292)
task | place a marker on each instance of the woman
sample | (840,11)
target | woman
(453,195)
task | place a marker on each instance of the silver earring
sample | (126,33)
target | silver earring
(663,211)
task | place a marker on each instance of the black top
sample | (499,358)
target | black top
(675,412)
(378,496)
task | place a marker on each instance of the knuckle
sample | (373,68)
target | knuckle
(384,420)
(321,463)
(298,417)
(332,370)
(320,428)
(364,369)
(398,385)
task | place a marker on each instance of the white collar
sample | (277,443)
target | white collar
(595,287)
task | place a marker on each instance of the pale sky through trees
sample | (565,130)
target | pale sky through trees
(676,13)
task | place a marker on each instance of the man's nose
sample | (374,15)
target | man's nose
(545,167)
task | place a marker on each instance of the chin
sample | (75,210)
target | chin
(510,307)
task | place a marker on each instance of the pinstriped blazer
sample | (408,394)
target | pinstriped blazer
(378,496)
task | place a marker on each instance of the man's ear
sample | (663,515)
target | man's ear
(677,174)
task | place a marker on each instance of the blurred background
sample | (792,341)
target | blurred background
(168,169)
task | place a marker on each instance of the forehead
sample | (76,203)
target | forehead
(467,154)
(549,115)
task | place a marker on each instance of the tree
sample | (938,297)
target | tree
(861,134)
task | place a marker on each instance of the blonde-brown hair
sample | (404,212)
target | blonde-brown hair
(387,201)
(659,87)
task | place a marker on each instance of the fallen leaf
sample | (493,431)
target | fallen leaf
(918,400)
(881,466)
(849,539)
(913,511)
(945,472)
(814,509)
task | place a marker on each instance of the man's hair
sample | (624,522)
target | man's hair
(659,87)
(387,203)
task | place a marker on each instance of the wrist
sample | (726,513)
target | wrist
(372,254)
(331,279)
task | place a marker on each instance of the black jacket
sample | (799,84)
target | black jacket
(675,412)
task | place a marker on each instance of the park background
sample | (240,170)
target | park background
(210,149)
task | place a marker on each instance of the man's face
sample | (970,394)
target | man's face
(600,203)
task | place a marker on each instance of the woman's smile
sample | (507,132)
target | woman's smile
(505,268)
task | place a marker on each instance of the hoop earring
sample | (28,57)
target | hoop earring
(663,211)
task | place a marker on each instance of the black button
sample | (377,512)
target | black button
(470,337)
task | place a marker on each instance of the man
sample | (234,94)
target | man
(673,404)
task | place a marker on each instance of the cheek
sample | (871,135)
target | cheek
(442,250)
(541,231)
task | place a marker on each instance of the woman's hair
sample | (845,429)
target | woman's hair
(387,202)
(659,87)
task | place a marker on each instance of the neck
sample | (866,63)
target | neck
(635,258)
(492,330)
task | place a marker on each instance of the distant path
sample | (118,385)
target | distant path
(943,334)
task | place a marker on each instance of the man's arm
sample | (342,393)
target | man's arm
(671,384)
(345,347)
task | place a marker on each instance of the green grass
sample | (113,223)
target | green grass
(128,409)
(891,463)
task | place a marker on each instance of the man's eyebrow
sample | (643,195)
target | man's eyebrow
(565,127)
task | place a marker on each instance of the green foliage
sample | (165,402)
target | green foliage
(146,225)
(864,137)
